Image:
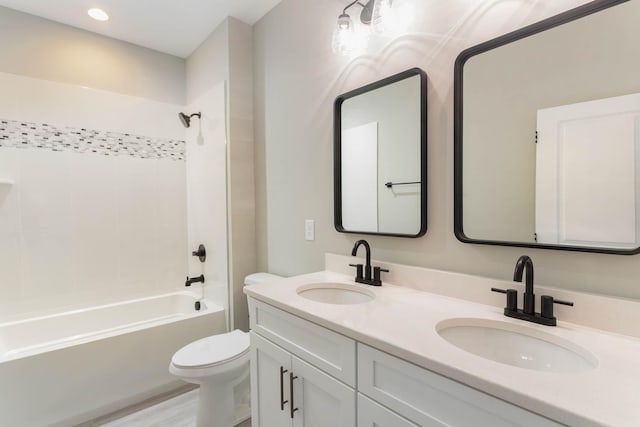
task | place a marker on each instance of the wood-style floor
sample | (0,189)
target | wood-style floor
(177,409)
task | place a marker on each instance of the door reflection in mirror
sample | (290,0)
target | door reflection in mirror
(587,173)
(360,177)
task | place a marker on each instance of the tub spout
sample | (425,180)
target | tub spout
(192,280)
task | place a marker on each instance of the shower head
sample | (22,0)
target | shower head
(186,120)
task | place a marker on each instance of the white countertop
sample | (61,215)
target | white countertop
(402,321)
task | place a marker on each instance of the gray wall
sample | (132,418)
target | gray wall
(240,164)
(227,55)
(208,65)
(43,49)
(296,80)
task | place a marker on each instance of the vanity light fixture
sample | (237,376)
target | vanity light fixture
(98,14)
(381,15)
(349,39)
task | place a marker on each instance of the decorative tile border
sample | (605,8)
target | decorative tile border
(18,134)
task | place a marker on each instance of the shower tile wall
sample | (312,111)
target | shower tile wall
(21,134)
(83,227)
(207,191)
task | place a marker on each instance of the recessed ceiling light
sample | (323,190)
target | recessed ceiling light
(98,14)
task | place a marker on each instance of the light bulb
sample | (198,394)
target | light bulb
(344,22)
(343,35)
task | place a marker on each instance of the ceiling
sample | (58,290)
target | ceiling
(176,27)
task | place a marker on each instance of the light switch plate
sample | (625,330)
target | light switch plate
(309,229)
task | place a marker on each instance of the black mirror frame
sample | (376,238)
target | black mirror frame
(547,24)
(337,148)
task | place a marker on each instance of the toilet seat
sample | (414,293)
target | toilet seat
(212,351)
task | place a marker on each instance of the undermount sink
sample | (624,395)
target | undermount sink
(335,293)
(516,345)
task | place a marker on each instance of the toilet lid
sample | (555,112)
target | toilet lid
(212,350)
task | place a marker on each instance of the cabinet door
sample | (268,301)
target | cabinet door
(270,368)
(320,400)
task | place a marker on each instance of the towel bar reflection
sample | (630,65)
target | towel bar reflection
(391,184)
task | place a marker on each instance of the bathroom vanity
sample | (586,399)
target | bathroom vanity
(328,351)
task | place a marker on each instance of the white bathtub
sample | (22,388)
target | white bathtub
(66,368)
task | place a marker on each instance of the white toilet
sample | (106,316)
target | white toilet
(220,365)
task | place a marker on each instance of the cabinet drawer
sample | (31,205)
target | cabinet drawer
(370,414)
(429,399)
(329,351)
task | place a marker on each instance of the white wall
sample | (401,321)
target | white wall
(297,77)
(94,219)
(61,271)
(47,50)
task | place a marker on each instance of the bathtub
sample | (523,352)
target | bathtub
(67,368)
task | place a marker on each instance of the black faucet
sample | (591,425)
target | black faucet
(366,277)
(192,280)
(367,267)
(528,312)
(524,262)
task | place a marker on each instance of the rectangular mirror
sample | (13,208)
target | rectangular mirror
(380,157)
(547,134)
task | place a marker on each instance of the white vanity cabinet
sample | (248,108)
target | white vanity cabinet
(431,400)
(303,374)
(288,388)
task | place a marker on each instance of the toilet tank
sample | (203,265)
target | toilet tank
(260,278)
